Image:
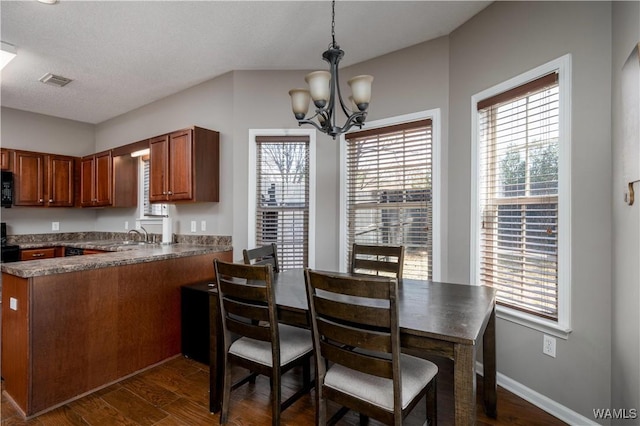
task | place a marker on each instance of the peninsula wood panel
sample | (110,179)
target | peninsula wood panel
(94,327)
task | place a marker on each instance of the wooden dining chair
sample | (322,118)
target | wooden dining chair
(248,309)
(359,337)
(265,255)
(375,260)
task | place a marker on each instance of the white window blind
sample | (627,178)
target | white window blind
(282,197)
(148,208)
(518,195)
(389,192)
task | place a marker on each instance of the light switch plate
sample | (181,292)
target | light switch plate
(193,226)
(55,226)
(13,303)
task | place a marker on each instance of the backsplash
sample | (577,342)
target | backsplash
(98,236)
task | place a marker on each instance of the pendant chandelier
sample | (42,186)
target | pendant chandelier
(323,86)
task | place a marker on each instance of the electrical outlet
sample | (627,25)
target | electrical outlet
(193,226)
(549,346)
(55,226)
(203,225)
(126,225)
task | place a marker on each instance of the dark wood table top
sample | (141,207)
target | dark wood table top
(455,313)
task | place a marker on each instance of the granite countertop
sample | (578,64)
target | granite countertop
(119,253)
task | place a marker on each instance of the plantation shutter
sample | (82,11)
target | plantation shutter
(389,175)
(282,197)
(518,195)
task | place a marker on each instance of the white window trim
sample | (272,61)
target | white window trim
(434,115)
(562,327)
(251,236)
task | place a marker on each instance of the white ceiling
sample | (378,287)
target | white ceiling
(125,54)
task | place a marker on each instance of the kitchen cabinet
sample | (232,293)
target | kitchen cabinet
(37,254)
(107,180)
(95,180)
(43,179)
(5,159)
(184,166)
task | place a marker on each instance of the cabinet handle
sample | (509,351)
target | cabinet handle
(41,200)
(51,200)
(170,193)
(37,255)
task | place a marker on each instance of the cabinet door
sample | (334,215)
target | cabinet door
(28,179)
(103,181)
(158,168)
(181,165)
(87,184)
(60,181)
(5,159)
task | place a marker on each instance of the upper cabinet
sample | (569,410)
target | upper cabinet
(5,159)
(108,180)
(184,166)
(95,180)
(43,179)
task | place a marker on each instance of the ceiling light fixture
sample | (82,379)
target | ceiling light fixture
(48,1)
(7,53)
(323,86)
(140,153)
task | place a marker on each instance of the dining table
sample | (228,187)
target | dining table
(436,318)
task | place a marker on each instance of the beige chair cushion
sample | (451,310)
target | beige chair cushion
(415,372)
(294,343)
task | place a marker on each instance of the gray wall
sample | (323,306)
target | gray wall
(37,132)
(504,40)
(625,340)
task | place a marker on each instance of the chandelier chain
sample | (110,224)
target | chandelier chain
(333,22)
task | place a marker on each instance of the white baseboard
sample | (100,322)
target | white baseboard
(544,403)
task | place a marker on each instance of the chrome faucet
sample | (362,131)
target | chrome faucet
(135,231)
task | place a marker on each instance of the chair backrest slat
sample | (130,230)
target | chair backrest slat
(376,259)
(265,255)
(249,330)
(365,363)
(359,286)
(364,315)
(246,310)
(355,337)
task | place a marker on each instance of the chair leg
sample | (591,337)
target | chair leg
(276,396)
(226,392)
(432,403)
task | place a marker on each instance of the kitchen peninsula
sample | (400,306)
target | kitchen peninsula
(72,325)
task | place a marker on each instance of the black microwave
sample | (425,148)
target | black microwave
(7,189)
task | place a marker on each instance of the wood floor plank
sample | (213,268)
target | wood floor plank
(133,407)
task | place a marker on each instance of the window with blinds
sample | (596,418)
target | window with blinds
(282,197)
(148,208)
(389,191)
(518,195)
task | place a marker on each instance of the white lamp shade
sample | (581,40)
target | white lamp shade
(361,89)
(7,53)
(299,101)
(319,85)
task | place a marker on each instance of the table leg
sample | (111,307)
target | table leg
(489,361)
(464,384)
(215,355)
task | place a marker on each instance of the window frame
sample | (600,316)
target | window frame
(434,115)
(562,327)
(251,206)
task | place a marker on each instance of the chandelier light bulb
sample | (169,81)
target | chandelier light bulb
(361,90)
(299,102)
(319,88)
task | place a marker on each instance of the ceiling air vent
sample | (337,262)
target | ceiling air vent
(55,80)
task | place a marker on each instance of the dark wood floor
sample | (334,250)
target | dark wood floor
(176,393)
